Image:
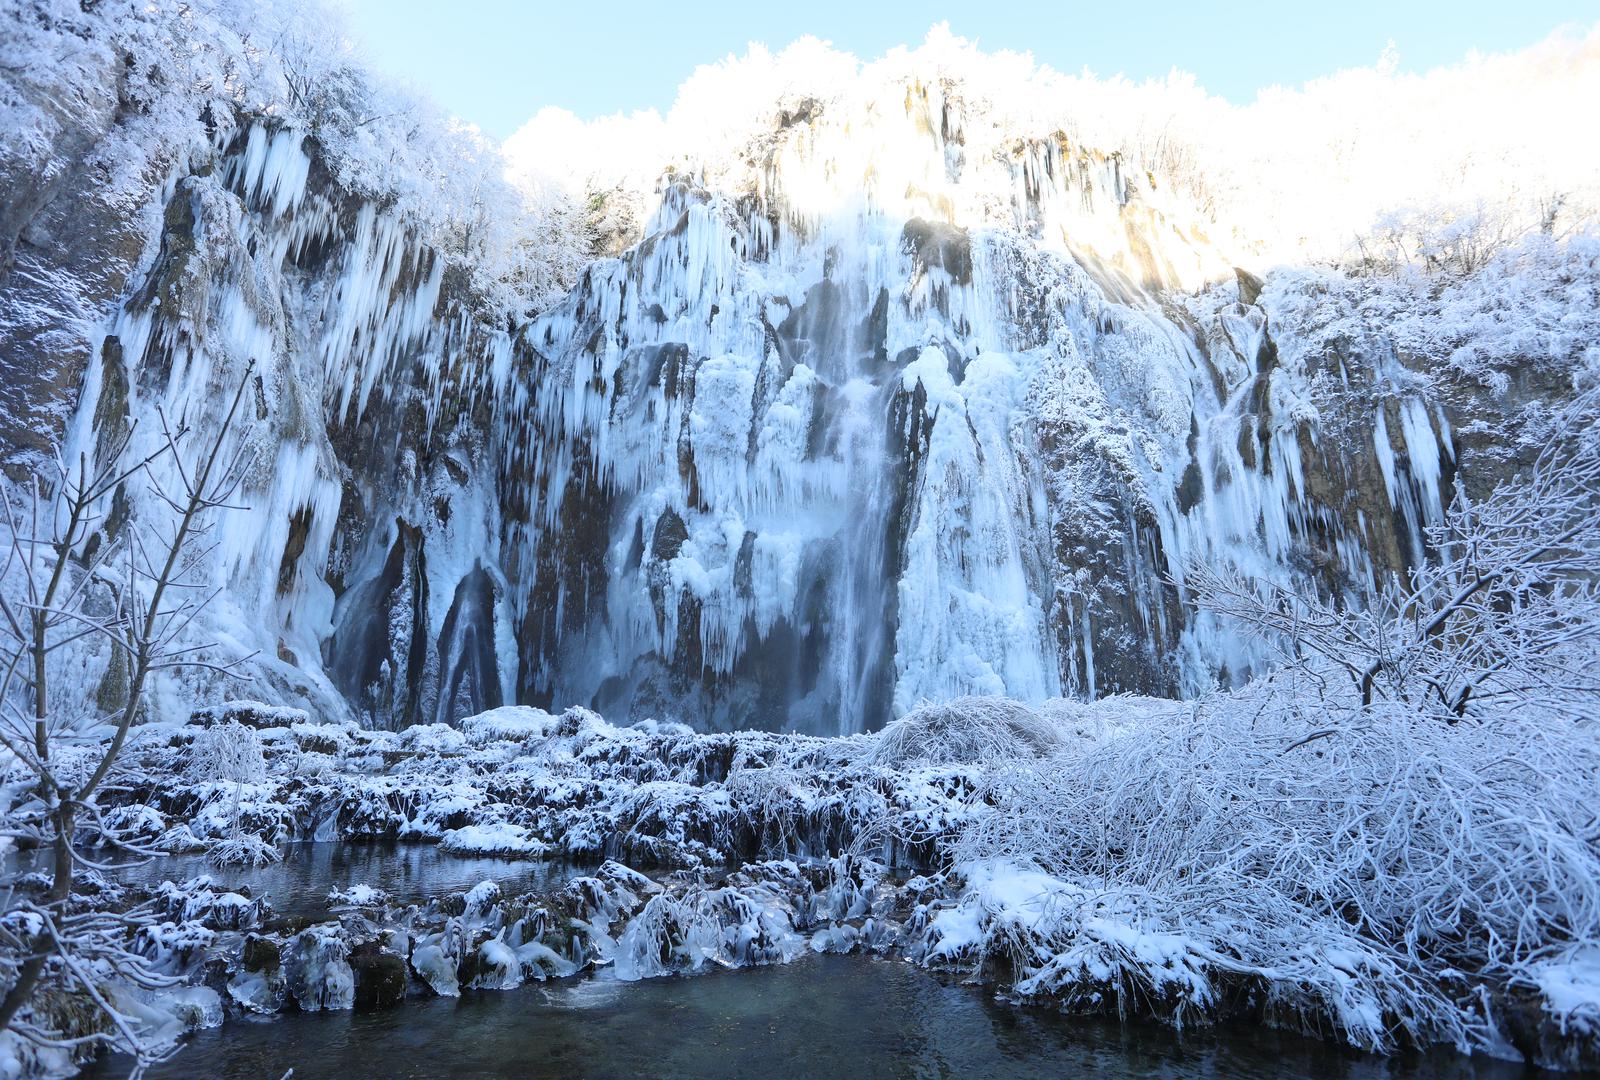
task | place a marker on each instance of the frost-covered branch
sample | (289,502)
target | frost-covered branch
(58,588)
(1509,608)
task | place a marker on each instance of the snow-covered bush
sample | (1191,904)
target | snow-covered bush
(966,730)
(227,753)
(1356,873)
(243,850)
(227,758)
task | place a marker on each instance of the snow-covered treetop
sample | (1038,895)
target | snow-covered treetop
(1369,166)
(181,76)
(1367,163)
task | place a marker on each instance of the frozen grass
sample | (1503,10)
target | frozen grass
(244,850)
(227,753)
(965,731)
(1356,875)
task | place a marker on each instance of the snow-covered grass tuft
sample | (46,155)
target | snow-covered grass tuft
(965,731)
(245,849)
(228,753)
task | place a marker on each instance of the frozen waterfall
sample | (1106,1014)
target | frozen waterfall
(898,415)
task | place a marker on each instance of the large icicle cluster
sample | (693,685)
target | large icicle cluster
(360,373)
(911,417)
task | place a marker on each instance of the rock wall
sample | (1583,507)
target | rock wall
(900,415)
(913,419)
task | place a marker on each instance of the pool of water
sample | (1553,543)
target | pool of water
(820,1018)
(299,885)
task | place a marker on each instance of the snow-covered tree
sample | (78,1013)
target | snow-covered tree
(78,581)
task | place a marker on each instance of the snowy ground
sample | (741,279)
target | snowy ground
(694,850)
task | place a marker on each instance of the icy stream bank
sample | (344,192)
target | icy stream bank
(697,851)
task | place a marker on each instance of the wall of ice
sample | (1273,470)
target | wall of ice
(364,388)
(906,413)
(906,419)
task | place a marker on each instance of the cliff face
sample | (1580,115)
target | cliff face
(367,406)
(925,419)
(65,253)
(902,416)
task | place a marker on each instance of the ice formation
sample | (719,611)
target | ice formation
(899,388)
(908,407)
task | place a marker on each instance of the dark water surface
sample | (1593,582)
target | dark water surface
(820,1018)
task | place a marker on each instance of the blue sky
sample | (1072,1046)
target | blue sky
(497,62)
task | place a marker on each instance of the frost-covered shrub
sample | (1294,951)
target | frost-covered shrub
(966,730)
(1356,872)
(244,850)
(772,801)
(228,756)
(227,753)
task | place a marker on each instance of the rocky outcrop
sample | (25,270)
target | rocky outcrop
(67,247)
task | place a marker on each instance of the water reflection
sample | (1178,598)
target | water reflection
(821,1018)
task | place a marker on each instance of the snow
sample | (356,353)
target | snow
(915,392)
(1571,988)
(359,895)
(499,838)
(511,723)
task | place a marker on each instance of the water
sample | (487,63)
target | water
(298,886)
(824,1017)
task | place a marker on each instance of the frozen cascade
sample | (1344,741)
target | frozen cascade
(361,366)
(809,455)
(896,416)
